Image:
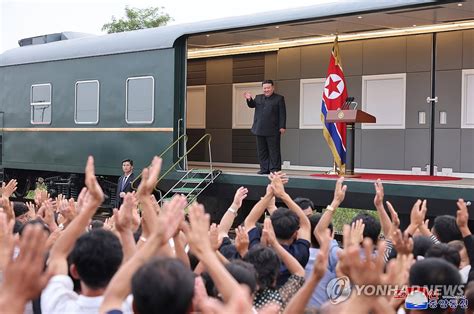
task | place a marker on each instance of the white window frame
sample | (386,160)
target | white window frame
(201,125)
(378,125)
(235,123)
(32,104)
(464,93)
(302,83)
(75,101)
(152,100)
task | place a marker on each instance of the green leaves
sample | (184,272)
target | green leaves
(138,19)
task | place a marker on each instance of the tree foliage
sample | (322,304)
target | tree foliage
(138,19)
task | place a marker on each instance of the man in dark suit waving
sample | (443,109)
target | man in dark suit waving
(269,123)
(124,183)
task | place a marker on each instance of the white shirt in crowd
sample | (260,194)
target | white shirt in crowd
(59,297)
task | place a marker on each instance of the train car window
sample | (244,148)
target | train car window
(140,99)
(86,110)
(40,99)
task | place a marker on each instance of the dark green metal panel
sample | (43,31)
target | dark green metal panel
(66,151)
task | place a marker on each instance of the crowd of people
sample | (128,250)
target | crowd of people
(169,258)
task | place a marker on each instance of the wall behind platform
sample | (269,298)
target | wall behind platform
(398,148)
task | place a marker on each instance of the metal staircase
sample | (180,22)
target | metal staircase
(192,182)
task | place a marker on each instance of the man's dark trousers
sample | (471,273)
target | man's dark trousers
(268,149)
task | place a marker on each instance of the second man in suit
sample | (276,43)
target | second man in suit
(269,124)
(124,183)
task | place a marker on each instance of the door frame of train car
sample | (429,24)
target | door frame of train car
(180,47)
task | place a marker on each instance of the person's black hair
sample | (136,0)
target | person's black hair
(469,293)
(34,222)
(446,229)
(17,227)
(458,245)
(421,244)
(372,226)
(285,222)
(229,251)
(244,273)
(163,285)
(314,220)
(20,208)
(434,271)
(304,203)
(53,193)
(97,255)
(129,160)
(95,224)
(267,82)
(266,263)
(446,252)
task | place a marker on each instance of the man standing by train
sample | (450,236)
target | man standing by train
(269,123)
(124,183)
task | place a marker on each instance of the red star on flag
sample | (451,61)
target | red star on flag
(332,86)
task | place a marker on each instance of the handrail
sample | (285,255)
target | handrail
(164,152)
(179,131)
(185,155)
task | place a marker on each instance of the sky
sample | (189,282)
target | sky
(28,18)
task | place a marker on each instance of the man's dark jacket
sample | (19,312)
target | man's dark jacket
(269,116)
(126,188)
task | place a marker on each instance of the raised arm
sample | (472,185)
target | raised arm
(6,240)
(24,278)
(148,203)
(250,101)
(301,298)
(120,285)
(91,198)
(417,216)
(166,225)
(200,244)
(290,262)
(229,216)
(462,218)
(258,210)
(305,226)
(123,225)
(6,192)
(326,218)
(8,189)
(378,202)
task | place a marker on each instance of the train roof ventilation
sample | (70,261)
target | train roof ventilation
(49,38)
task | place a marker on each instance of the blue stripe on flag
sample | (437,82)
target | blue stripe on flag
(331,127)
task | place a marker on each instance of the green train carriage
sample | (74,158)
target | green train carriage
(100,96)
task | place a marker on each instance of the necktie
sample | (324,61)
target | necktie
(124,181)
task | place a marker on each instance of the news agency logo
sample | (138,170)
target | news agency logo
(422,298)
(416,297)
(416,300)
(339,289)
